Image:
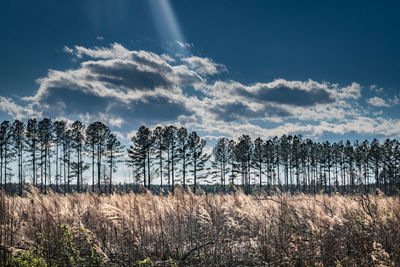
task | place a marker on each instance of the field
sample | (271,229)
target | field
(199,229)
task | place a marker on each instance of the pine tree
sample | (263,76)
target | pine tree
(349,161)
(160,147)
(97,134)
(170,138)
(31,143)
(295,157)
(233,162)
(198,157)
(258,158)
(182,152)
(284,157)
(327,150)
(18,134)
(59,129)
(114,153)
(139,153)
(77,135)
(222,153)
(243,152)
(67,144)
(6,152)
(90,144)
(45,141)
(268,148)
(276,148)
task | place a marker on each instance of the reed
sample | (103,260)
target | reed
(199,229)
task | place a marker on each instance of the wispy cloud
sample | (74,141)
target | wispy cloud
(16,111)
(376,89)
(378,102)
(203,65)
(183,45)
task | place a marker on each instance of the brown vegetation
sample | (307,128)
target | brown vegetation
(199,229)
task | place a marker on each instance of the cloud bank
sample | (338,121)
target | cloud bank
(126,88)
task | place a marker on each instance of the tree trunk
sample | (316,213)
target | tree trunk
(34,163)
(223,175)
(329,179)
(65,178)
(184,171)
(41,169)
(20,164)
(148,169)
(111,170)
(69,173)
(161,169)
(168,169)
(49,157)
(173,169)
(99,168)
(57,165)
(93,156)
(377,174)
(79,170)
(1,166)
(144,172)
(45,170)
(195,175)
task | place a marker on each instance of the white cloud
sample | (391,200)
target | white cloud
(111,120)
(99,37)
(115,51)
(378,102)
(127,88)
(183,45)
(167,58)
(280,99)
(124,84)
(351,91)
(360,125)
(376,89)
(68,50)
(120,74)
(16,111)
(131,134)
(395,100)
(284,91)
(204,65)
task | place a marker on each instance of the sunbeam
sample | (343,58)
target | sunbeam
(167,26)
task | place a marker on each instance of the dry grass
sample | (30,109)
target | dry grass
(188,229)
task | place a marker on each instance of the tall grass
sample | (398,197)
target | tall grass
(199,229)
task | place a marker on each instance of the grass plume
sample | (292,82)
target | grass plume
(199,229)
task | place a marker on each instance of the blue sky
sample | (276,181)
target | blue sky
(326,70)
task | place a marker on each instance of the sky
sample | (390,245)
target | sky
(328,70)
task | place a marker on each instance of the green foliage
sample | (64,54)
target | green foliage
(173,263)
(146,262)
(30,258)
(60,248)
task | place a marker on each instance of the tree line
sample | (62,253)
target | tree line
(296,164)
(57,154)
(32,151)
